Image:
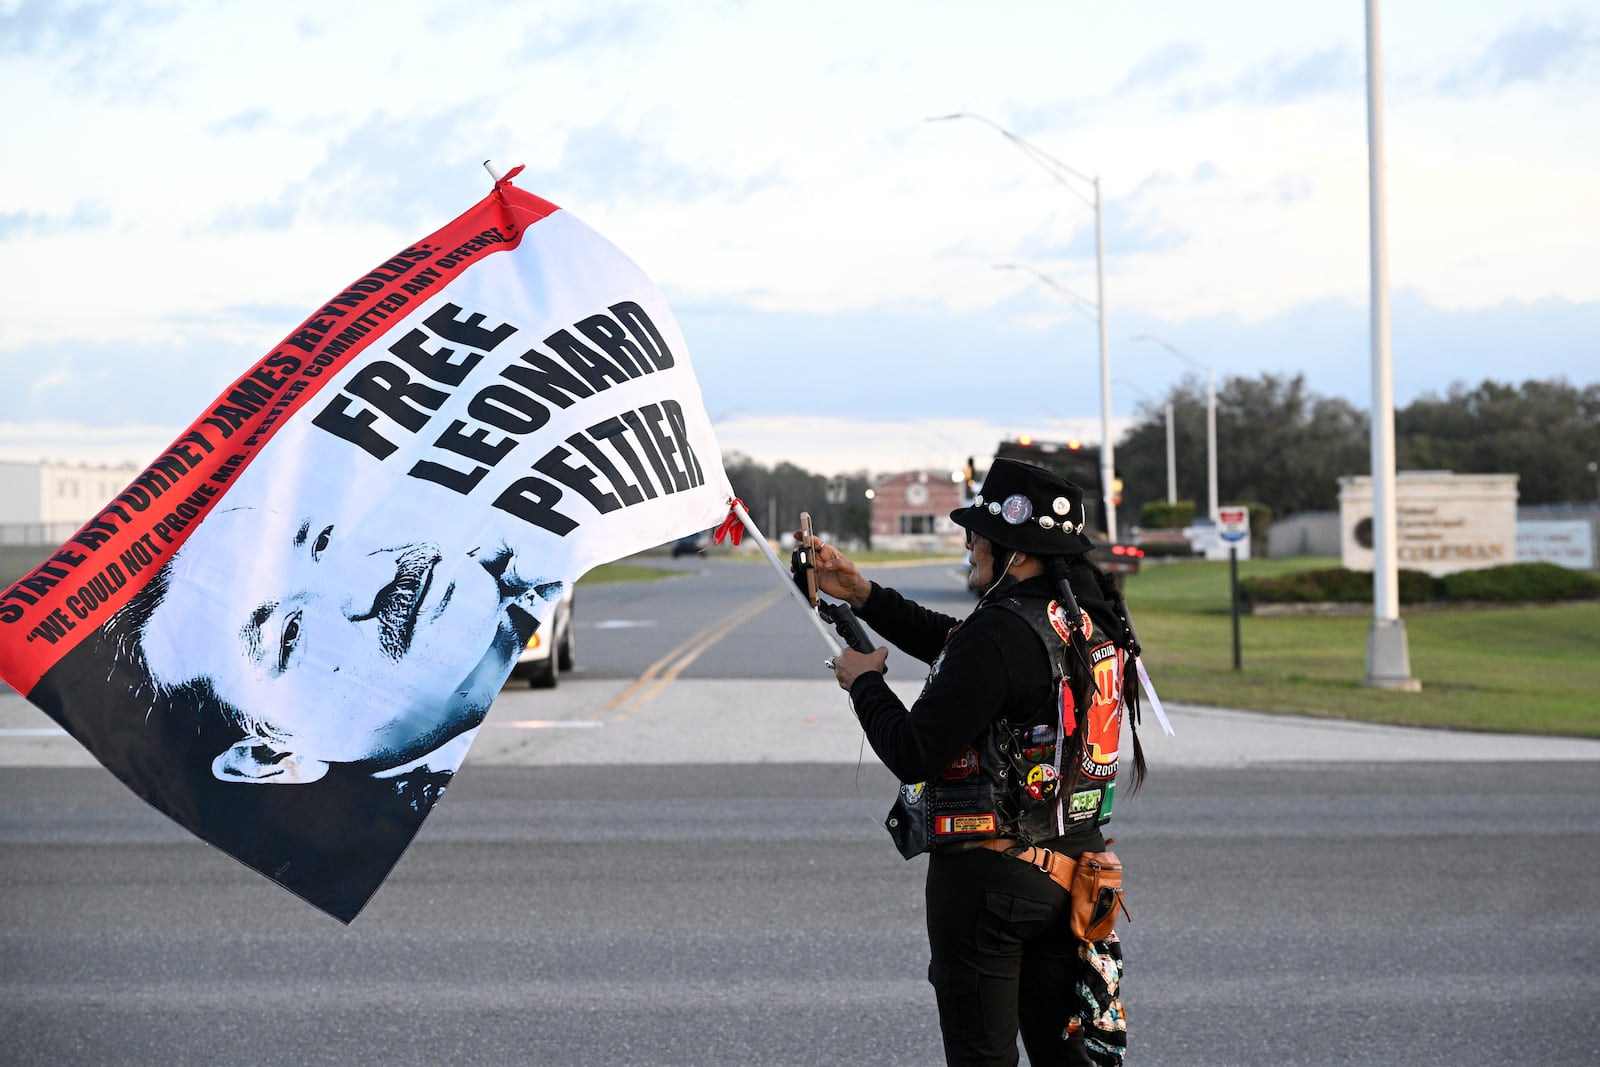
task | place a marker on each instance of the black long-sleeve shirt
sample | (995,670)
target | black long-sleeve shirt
(994,665)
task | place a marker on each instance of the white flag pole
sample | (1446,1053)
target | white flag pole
(788,579)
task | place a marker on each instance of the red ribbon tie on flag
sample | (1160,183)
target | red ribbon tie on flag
(732,526)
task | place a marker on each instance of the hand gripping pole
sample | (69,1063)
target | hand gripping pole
(788,581)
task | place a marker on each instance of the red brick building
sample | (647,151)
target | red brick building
(911,512)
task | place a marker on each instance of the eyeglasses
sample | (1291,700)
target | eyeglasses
(969,540)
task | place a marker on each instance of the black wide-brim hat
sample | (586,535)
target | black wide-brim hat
(1028,509)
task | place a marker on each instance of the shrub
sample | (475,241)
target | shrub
(1334,585)
(1522,581)
(1417,587)
(1160,515)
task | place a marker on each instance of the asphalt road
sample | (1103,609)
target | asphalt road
(675,858)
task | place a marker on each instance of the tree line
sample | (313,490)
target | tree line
(775,496)
(1283,446)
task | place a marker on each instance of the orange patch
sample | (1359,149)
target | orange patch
(964,824)
(1058,622)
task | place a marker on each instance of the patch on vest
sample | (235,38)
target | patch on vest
(913,793)
(964,824)
(1103,731)
(1058,622)
(963,766)
(1083,805)
(1042,782)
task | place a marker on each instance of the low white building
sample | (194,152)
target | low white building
(44,503)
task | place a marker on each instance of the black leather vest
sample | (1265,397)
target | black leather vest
(1053,773)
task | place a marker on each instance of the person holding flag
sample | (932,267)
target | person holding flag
(1009,761)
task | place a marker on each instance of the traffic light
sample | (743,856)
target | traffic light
(1116,492)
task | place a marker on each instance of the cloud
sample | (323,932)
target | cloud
(1528,52)
(389,169)
(113,384)
(900,363)
(828,444)
(1283,80)
(557,40)
(1330,70)
(85,215)
(1129,230)
(92,43)
(1330,342)
(43,27)
(242,122)
(615,167)
(1030,118)
(1159,66)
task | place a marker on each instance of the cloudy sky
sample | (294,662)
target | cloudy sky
(184,181)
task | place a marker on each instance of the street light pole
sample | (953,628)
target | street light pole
(1211,442)
(1211,420)
(1172,458)
(1060,172)
(1172,463)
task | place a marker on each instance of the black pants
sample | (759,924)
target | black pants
(1004,960)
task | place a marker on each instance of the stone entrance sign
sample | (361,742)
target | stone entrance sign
(1446,522)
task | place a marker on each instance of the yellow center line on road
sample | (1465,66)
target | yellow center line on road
(663,671)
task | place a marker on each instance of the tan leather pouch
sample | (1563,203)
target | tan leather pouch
(1096,895)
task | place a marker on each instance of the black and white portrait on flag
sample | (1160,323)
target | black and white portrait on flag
(306,648)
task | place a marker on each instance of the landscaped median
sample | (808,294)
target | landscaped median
(1523,668)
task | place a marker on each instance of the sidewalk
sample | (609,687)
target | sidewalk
(603,723)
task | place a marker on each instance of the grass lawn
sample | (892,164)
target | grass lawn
(1522,669)
(623,571)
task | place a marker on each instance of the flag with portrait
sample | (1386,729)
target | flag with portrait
(285,632)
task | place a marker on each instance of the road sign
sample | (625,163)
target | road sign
(1233,525)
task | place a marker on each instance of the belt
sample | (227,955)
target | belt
(1059,867)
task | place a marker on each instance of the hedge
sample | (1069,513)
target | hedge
(1522,581)
(1512,582)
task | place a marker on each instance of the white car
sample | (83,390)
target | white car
(551,649)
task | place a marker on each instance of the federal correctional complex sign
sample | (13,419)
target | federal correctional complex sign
(1445,522)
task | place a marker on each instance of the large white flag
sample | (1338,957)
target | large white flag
(285,632)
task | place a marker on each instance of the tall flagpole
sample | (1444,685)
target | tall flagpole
(1108,466)
(1388,655)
